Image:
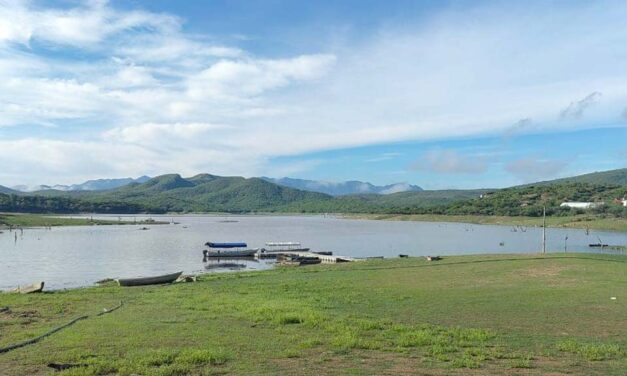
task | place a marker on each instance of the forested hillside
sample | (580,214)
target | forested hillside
(210,193)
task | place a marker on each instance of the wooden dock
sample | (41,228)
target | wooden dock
(326,259)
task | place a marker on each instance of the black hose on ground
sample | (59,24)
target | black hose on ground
(54,330)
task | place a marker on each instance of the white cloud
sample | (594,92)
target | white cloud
(228,78)
(178,101)
(576,109)
(383,157)
(532,169)
(84,26)
(163,134)
(445,161)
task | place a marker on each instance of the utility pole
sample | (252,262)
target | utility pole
(544,230)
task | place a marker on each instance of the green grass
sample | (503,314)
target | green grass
(37,220)
(583,221)
(480,314)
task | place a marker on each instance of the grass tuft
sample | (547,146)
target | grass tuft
(590,351)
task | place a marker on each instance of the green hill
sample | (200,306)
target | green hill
(611,177)
(205,193)
(402,202)
(211,193)
(530,200)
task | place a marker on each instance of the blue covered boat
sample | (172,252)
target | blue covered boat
(228,250)
(226,245)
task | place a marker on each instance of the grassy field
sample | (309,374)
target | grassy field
(508,314)
(37,220)
(578,221)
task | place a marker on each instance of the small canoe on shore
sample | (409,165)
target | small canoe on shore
(143,281)
(28,289)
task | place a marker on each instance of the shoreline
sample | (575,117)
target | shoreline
(618,254)
(28,220)
(573,222)
(583,221)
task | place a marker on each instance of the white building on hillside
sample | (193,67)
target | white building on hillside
(582,205)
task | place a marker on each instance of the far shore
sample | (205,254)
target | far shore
(584,221)
(578,221)
(22,220)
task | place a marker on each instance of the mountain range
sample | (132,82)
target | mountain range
(351,187)
(211,193)
(7,191)
(331,188)
(89,185)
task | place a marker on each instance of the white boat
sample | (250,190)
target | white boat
(282,247)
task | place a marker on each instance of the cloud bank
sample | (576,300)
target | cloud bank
(450,162)
(532,169)
(130,92)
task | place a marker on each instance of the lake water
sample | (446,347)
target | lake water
(66,257)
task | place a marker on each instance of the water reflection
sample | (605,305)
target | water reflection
(233,263)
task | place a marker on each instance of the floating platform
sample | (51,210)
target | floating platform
(324,258)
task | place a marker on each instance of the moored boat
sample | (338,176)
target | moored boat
(228,250)
(276,247)
(143,281)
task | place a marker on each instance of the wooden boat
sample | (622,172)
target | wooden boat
(142,281)
(28,289)
(434,258)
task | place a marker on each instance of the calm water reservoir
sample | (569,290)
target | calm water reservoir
(66,257)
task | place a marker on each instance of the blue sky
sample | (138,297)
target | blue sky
(443,94)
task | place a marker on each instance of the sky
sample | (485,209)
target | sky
(442,94)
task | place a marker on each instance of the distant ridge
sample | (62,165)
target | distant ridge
(234,194)
(89,185)
(202,193)
(6,190)
(344,188)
